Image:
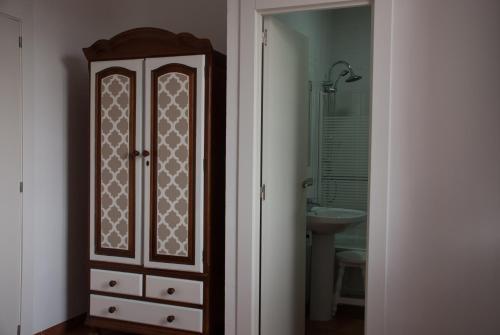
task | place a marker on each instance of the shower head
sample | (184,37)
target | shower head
(353,77)
(330,86)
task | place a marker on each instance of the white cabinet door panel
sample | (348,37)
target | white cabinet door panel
(173,178)
(115,170)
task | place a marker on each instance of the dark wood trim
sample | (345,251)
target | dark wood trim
(64,327)
(147,271)
(217,182)
(207,196)
(99,250)
(191,73)
(132,327)
(147,43)
(144,298)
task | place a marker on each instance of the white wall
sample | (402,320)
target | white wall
(62,29)
(443,270)
(443,264)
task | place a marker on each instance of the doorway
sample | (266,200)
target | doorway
(316,87)
(11,174)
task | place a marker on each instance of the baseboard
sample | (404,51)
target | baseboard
(63,327)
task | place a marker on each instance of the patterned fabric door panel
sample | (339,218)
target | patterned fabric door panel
(173,123)
(172,182)
(115,145)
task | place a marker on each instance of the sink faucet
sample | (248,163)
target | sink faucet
(311,203)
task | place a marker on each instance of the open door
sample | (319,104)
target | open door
(284,161)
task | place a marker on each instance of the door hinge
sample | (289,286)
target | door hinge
(20,41)
(21,187)
(18,329)
(264,37)
(263,192)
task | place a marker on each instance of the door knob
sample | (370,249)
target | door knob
(134,154)
(145,153)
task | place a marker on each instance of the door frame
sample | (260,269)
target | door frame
(243,157)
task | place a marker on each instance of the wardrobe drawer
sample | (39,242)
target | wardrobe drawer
(116,282)
(177,317)
(174,289)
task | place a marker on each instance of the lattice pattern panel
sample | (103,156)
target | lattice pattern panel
(115,121)
(173,165)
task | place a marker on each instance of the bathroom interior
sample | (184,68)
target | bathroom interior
(338,160)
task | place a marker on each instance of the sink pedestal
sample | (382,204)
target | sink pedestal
(322,277)
(325,222)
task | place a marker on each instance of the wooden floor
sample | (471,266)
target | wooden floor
(348,321)
(85,331)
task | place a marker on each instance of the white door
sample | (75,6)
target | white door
(173,184)
(284,161)
(10,175)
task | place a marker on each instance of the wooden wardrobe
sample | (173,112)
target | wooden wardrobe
(157,188)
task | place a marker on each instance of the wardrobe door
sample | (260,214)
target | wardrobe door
(116,123)
(174,135)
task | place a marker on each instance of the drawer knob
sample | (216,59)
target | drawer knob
(170,318)
(171,291)
(112,309)
(112,283)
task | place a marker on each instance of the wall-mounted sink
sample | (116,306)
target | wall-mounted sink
(325,223)
(325,220)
